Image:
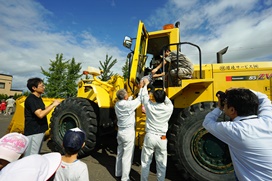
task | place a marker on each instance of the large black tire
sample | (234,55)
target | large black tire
(198,154)
(71,113)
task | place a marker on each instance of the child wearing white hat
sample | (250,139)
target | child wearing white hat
(12,146)
(32,168)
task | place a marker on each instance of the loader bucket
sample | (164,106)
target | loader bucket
(18,120)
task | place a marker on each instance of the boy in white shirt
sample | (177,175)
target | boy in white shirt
(71,168)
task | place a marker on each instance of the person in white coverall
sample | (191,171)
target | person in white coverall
(10,105)
(158,114)
(248,134)
(125,112)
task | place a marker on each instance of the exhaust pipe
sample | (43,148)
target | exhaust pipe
(220,55)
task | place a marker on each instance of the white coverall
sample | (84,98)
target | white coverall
(125,112)
(157,117)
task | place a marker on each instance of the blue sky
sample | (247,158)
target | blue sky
(33,32)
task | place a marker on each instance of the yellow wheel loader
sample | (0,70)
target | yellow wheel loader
(196,153)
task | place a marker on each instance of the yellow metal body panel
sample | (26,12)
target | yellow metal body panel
(253,75)
(140,127)
(18,120)
(101,92)
(172,34)
(139,58)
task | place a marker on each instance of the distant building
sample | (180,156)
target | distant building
(5,85)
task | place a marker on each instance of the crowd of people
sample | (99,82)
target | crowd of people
(248,135)
(7,106)
(20,157)
(21,152)
(14,165)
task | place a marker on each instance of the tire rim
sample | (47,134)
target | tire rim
(67,121)
(211,153)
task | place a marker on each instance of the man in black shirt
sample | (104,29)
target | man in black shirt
(35,115)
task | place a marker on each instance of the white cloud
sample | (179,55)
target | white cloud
(245,26)
(29,43)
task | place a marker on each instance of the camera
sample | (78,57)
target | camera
(222,97)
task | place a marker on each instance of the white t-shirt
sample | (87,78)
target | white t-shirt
(76,171)
(10,102)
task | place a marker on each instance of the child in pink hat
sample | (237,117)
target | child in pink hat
(12,146)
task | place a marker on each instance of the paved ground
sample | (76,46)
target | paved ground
(101,164)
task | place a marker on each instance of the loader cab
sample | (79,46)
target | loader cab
(147,50)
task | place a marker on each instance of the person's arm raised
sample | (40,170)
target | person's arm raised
(41,113)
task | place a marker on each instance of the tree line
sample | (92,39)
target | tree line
(62,75)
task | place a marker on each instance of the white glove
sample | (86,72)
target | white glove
(130,98)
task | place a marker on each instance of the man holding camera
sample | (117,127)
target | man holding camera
(248,134)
